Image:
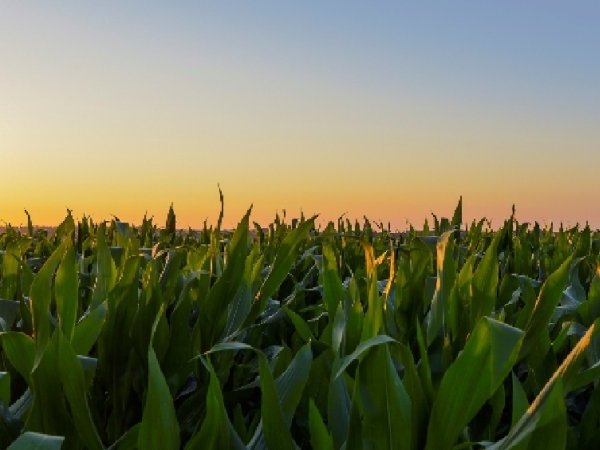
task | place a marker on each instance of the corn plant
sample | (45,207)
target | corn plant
(344,336)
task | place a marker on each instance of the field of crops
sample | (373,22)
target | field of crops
(344,337)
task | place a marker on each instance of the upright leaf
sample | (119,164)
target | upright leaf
(5,388)
(41,294)
(216,431)
(319,436)
(159,429)
(446,274)
(485,282)
(284,259)
(544,423)
(333,291)
(471,380)
(550,295)
(106,269)
(276,431)
(384,403)
(74,388)
(67,292)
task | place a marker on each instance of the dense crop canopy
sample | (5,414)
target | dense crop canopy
(285,337)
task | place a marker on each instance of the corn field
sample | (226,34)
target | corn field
(349,336)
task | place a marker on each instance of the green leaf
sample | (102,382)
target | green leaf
(457,216)
(544,423)
(338,329)
(550,295)
(37,441)
(354,440)
(66,227)
(446,274)
(176,360)
(338,410)
(128,441)
(241,305)
(590,309)
(159,429)
(424,365)
(5,388)
(215,430)
(284,259)
(519,400)
(291,383)
(485,282)
(9,311)
(373,319)
(222,293)
(519,407)
(586,377)
(333,291)
(343,364)
(420,407)
(276,431)
(229,346)
(106,269)
(47,394)
(319,436)
(300,325)
(289,387)
(471,380)
(10,272)
(20,351)
(66,291)
(543,426)
(384,403)
(88,330)
(74,387)
(40,297)
(354,323)
(590,431)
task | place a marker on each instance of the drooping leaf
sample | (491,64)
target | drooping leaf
(20,351)
(358,352)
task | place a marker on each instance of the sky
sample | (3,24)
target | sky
(386,109)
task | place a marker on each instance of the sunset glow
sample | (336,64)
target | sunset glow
(386,111)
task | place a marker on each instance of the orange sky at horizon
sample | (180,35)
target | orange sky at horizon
(194,215)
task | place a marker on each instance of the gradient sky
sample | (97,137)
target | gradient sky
(379,108)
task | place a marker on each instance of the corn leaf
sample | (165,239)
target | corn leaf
(471,380)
